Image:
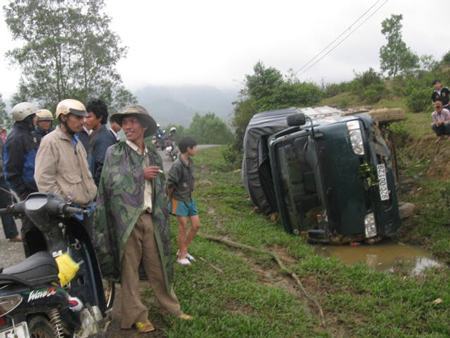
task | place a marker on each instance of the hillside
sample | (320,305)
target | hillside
(178,104)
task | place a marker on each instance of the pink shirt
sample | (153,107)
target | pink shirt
(443,116)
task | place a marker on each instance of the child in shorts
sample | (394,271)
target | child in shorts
(180,186)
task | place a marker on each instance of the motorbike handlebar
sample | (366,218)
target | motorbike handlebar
(13,209)
(68,210)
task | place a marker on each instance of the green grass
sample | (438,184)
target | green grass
(249,298)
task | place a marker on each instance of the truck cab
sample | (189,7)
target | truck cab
(333,179)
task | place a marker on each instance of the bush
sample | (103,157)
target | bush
(374,93)
(400,134)
(366,79)
(419,100)
(232,157)
(333,89)
(369,86)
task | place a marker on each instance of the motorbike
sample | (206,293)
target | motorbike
(161,139)
(171,150)
(36,298)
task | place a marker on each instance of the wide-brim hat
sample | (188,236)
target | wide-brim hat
(141,113)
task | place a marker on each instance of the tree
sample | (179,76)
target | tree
(395,57)
(428,63)
(67,50)
(268,89)
(209,129)
(446,58)
(5,118)
(263,82)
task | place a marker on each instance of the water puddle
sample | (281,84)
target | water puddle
(384,256)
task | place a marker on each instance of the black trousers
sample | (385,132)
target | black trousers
(9,225)
(442,129)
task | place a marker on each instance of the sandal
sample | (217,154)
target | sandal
(144,327)
(188,256)
(183,261)
(15,239)
(185,316)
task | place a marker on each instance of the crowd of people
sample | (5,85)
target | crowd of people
(441,114)
(121,185)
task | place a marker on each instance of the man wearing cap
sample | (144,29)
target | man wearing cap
(131,220)
(61,161)
(44,123)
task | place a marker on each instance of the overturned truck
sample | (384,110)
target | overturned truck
(327,174)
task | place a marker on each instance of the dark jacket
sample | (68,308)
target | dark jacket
(19,154)
(83,136)
(99,141)
(40,133)
(181,179)
(443,95)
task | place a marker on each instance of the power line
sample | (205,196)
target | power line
(349,28)
(346,37)
(338,37)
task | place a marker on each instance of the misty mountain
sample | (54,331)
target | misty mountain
(178,104)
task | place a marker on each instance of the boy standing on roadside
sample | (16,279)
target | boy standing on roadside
(180,185)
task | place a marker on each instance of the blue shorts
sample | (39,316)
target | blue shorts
(183,209)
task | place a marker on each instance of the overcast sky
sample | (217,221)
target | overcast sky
(216,42)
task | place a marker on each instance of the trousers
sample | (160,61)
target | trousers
(141,247)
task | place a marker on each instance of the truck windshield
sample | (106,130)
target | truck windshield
(298,183)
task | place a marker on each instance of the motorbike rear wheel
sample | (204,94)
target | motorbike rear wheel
(40,327)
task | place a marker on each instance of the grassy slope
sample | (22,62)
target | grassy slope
(251,299)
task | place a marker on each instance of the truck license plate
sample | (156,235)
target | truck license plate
(20,331)
(382,182)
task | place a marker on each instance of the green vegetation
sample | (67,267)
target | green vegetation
(5,118)
(395,57)
(250,297)
(424,178)
(268,89)
(65,48)
(206,129)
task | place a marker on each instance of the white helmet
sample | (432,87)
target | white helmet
(44,115)
(22,110)
(70,106)
(173,130)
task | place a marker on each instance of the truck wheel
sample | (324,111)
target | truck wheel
(40,327)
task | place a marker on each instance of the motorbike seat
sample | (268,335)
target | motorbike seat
(39,268)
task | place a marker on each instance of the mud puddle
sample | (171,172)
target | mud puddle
(387,256)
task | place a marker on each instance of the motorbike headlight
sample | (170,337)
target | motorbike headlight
(354,131)
(9,303)
(370,226)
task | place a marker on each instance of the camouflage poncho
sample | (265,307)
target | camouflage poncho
(120,203)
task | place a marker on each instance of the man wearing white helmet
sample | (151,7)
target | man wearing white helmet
(61,162)
(19,152)
(44,123)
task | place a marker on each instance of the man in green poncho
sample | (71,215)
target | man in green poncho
(131,222)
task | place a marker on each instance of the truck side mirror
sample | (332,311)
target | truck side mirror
(298,119)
